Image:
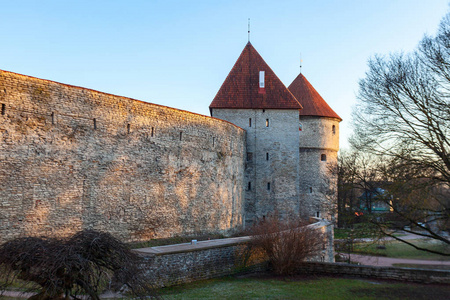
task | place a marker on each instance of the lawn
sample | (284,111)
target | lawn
(398,249)
(304,288)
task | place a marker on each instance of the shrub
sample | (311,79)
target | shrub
(86,263)
(287,244)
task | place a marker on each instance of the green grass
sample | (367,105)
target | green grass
(303,288)
(398,249)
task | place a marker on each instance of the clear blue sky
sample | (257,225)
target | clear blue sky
(178,53)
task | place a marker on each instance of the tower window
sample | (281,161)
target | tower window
(268,186)
(261,79)
(318,214)
(310,190)
(333,129)
(95,123)
(249,186)
(153,131)
(323,157)
(249,122)
(128,128)
(267,122)
(267,156)
(3,109)
(249,156)
(181,135)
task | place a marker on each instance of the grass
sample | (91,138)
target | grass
(398,249)
(304,288)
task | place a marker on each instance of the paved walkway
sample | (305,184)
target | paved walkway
(388,262)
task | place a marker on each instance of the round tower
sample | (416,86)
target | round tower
(318,148)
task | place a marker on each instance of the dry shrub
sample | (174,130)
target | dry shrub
(86,263)
(287,244)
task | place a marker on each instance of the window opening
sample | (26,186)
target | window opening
(249,156)
(318,214)
(214,139)
(53,118)
(267,122)
(268,186)
(249,186)
(181,135)
(152,132)
(267,156)
(323,157)
(250,122)
(128,128)
(333,129)
(3,109)
(310,190)
(95,123)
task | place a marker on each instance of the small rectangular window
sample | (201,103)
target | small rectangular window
(128,128)
(181,135)
(3,109)
(95,123)
(214,140)
(268,186)
(53,118)
(250,122)
(323,157)
(267,122)
(153,132)
(310,190)
(249,156)
(267,156)
(249,186)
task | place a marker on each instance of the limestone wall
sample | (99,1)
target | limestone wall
(272,162)
(74,158)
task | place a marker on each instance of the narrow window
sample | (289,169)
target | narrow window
(318,214)
(53,118)
(214,139)
(3,109)
(300,127)
(181,135)
(261,79)
(267,156)
(323,157)
(333,129)
(267,122)
(264,110)
(153,130)
(95,123)
(250,122)
(268,186)
(249,156)
(128,128)
(310,190)
(249,186)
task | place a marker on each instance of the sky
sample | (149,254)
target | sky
(178,53)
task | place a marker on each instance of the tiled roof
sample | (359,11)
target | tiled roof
(241,87)
(313,104)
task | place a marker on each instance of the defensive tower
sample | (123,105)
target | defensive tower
(319,144)
(253,98)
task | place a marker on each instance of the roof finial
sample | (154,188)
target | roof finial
(249,30)
(301,63)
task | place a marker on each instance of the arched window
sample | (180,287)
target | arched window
(323,157)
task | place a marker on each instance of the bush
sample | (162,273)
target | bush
(86,263)
(287,244)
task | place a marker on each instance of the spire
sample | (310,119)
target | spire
(249,30)
(313,104)
(242,88)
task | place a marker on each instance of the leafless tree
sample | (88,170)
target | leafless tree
(403,117)
(86,263)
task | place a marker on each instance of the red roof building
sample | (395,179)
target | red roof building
(242,87)
(313,104)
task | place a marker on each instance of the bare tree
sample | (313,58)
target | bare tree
(403,117)
(86,263)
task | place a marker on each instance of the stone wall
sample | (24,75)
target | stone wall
(403,274)
(73,158)
(183,263)
(272,162)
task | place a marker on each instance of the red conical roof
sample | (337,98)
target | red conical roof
(313,103)
(241,87)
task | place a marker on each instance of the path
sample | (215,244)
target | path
(388,261)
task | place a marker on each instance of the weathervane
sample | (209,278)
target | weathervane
(301,62)
(249,30)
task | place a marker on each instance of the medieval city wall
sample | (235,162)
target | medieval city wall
(73,158)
